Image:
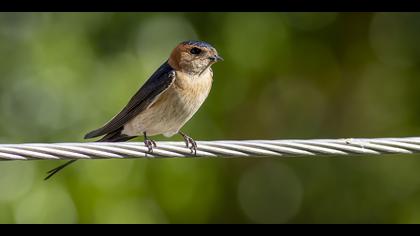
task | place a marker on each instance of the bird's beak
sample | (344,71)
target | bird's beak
(216,58)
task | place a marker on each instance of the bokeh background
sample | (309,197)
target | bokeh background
(285,75)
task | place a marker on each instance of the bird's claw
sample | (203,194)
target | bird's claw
(149,144)
(193,146)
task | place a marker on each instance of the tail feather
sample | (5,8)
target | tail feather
(115,136)
(57,169)
(93,134)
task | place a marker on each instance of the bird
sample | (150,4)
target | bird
(165,102)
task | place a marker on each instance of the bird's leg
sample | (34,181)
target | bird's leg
(188,141)
(149,143)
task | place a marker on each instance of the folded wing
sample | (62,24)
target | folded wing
(145,96)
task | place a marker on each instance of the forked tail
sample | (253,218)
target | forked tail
(115,136)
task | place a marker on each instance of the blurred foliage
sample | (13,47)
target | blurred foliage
(285,75)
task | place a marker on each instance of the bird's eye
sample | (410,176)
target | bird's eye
(195,50)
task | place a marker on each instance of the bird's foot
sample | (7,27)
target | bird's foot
(149,143)
(190,143)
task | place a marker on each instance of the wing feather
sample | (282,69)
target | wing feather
(144,97)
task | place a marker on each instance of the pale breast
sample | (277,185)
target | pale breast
(192,92)
(174,107)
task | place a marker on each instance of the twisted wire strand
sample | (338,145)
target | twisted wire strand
(225,148)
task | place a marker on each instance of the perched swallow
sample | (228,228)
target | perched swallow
(167,100)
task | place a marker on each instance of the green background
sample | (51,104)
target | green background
(285,75)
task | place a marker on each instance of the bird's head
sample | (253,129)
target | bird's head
(193,57)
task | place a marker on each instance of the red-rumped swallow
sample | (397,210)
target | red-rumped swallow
(167,100)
